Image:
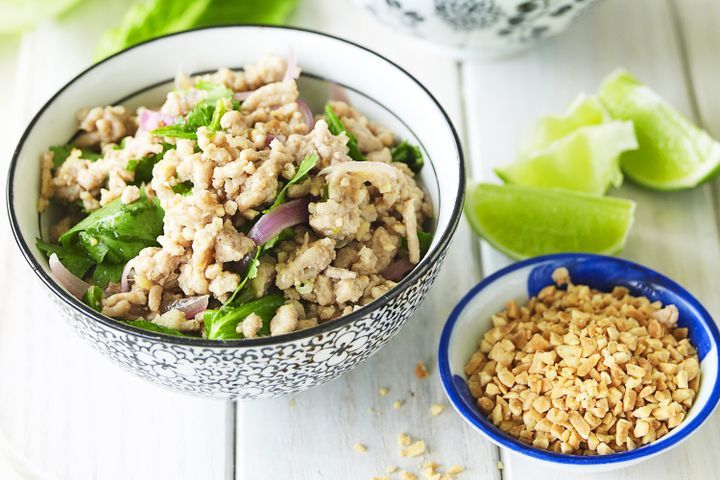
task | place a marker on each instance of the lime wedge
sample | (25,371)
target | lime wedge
(527,221)
(584,111)
(586,160)
(673,153)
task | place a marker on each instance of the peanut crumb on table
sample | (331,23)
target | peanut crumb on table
(404,439)
(397,404)
(436,409)
(455,469)
(391,469)
(383,391)
(500,465)
(421,370)
(360,448)
(405,475)
(413,450)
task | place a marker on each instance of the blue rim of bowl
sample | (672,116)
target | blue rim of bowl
(420,269)
(517,446)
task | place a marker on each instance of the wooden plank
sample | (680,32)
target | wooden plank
(674,233)
(315,431)
(68,411)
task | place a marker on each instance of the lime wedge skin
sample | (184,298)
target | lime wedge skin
(524,221)
(673,153)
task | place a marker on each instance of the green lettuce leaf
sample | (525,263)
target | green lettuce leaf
(153,18)
(74,259)
(62,152)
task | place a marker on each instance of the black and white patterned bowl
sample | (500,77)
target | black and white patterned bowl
(489,28)
(268,366)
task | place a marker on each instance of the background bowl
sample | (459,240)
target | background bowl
(471,319)
(267,366)
(489,28)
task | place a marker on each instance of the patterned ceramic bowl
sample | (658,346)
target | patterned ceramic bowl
(268,366)
(471,319)
(489,28)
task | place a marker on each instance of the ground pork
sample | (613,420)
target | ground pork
(305,264)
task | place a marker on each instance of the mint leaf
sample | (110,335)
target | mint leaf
(200,116)
(143,167)
(215,91)
(153,18)
(184,188)
(62,152)
(217,115)
(305,166)
(117,232)
(222,324)
(425,240)
(74,259)
(153,327)
(93,298)
(336,126)
(105,273)
(409,155)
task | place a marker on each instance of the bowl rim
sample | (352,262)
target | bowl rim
(503,440)
(430,259)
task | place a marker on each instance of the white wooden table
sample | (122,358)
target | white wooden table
(67,413)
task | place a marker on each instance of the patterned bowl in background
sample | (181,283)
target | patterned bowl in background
(489,28)
(268,366)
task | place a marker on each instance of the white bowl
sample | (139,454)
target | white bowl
(471,319)
(486,28)
(267,366)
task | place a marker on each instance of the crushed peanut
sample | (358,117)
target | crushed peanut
(391,469)
(405,475)
(580,371)
(455,469)
(404,439)
(414,449)
(397,404)
(436,409)
(360,448)
(421,370)
(384,391)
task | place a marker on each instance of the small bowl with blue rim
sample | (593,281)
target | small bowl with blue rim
(471,318)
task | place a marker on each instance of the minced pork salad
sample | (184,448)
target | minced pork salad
(233,211)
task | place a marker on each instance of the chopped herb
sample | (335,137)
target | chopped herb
(62,152)
(284,234)
(223,326)
(105,273)
(154,327)
(143,167)
(200,116)
(424,239)
(75,260)
(408,154)
(336,127)
(220,110)
(216,91)
(184,188)
(305,166)
(93,298)
(117,232)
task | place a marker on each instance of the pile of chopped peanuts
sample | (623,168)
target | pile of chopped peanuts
(584,372)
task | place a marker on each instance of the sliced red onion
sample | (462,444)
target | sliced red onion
(307,113)
(292,71)
(286,215)
(150,120)
(190,306)
(397,269)
(268,139)
(240,96)
(125,278)
(338,93)
(66,278)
